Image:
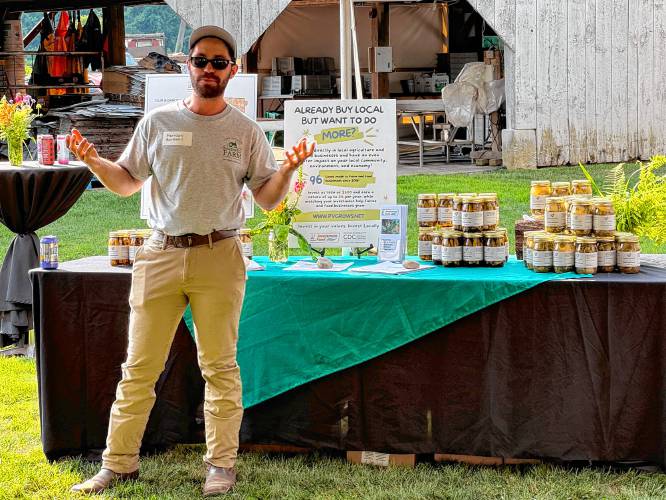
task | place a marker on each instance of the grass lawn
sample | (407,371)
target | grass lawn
(24,472)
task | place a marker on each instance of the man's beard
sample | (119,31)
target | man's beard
(209,89)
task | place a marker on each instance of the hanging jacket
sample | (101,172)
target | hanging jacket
(41,68)
(92,40)
(59,67)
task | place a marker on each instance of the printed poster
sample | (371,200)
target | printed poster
(352,172)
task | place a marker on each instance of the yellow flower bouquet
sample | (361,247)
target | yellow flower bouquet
(15,118)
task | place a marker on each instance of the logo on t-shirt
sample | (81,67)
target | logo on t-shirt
(231,149)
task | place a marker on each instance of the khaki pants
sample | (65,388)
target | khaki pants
(212,280)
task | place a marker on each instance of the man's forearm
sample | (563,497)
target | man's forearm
(275,189)
(114,177)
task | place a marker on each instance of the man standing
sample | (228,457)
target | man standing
(199,153)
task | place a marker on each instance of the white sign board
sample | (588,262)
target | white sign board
(161,89)
(352,172)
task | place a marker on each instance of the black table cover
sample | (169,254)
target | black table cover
(571,370)
(30,197)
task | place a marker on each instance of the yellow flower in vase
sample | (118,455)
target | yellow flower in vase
(15,118)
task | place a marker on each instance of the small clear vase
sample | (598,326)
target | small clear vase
(278,243)
(15,152)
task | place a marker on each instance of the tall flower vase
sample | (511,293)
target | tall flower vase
(15,154)
(278,243)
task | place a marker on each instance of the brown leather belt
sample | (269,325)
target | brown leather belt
(193,240)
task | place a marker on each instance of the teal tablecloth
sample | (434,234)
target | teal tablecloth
(298,326)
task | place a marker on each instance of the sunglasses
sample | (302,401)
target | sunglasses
(217,62)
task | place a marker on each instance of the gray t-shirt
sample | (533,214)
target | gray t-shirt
(198,166)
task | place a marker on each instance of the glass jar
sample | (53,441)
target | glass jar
(542,254)
(456,216)
(528,247)
(445,210)
(452,250)
(114,248)
(586,255)
(472,214)
(505,238)
(539,192)
(606,254)
(581,186)
(561,188)
(436,247)
(425,244)
(555,219)
(426,210)
(472,249)
(564,251)
(580,217)
(124,237)
(136,242)
(603,222)
(246,242)
(490,211)
(493,248)
(628,254)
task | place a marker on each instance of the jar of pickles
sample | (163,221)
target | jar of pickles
(452,250)
(586,259)
(539,192)
(528,247)
(628,254)
(505,239)
(493,248)
(564,251)
(603,221)
(425,244)
(606,254)
(445,210)
(542,253)
(426,210)
(473,249)
(580,217)
(581,186)
(490,211)
(436,247)
(456,216)
(119,243)
(246,242)
(136,242)
(561,188)
(555,220)
(472,214)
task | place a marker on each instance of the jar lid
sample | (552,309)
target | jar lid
(555,199)
(565,238)
(146,233)
(561,184)
(435,234)
(446,195)
(428,229)
(245,230)
(542,237)
(451,234)
(540,183)
(581,181)
(113,234)
(471,199)
(621,233)
(427,196)
(472,235)
(493,234)
(467,194)
(606,239)
(628,238)
(580,201)
(586,239)
(123,234)
(502,230)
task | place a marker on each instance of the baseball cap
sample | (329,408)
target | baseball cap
(215,32)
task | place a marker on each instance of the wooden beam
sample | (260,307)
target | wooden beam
(379,36)
(114,29)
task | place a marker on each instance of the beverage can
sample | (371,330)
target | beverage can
(48,252)
(45,149)
(63,150)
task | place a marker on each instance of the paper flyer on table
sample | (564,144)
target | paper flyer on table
(352,172)
(308,265)
(388,268)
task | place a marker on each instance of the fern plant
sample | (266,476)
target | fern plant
(639,199)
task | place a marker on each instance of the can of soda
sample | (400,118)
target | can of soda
(48,252)
(63,150)
(45,149)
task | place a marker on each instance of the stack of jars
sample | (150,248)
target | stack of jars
(124,244)
(579,232)
(461,229)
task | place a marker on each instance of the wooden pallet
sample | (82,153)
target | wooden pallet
(480,460)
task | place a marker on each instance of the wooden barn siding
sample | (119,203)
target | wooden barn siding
(245,19)
(588,76)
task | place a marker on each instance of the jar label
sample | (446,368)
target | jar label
(581,222)
(606,257)
(445,214)
(425,248)
(604,222)
(490,218)
(457,218)
(586,259)
(555,219)
(123,252)
(426,214)
(628,259)
(437,252)
(247,249)
(472,219)
(132,252)
(114,254)
(538,201)
(528,255)
(563,259)
(472,253)
(493,254)
(542,258)
(452,254)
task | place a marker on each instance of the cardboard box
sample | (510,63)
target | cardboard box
(520,228)
(381,459)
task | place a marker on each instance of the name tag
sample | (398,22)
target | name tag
(177,139)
